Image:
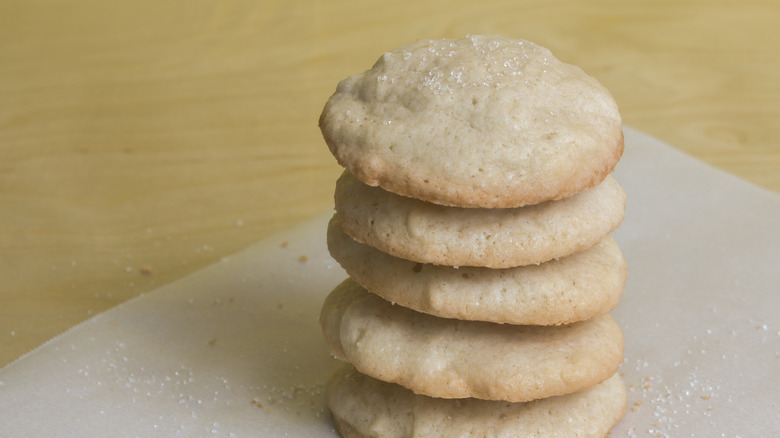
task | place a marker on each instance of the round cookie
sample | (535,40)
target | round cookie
(481,121)
(366,407)
(495,238)
(449,358)
(575,288)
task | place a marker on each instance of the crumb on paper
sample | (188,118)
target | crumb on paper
(145,270)
(285,244)
(303,259)
(212,341)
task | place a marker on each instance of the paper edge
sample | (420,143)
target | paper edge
(266,241)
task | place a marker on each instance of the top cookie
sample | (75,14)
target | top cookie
(475,122)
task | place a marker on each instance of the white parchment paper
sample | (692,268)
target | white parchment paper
(235,350)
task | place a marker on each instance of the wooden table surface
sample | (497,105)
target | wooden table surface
(141,141)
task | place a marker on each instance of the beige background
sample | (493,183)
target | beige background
(141,141)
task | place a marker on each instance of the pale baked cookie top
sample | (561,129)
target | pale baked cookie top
(449,358)
(482,121)
(366,407)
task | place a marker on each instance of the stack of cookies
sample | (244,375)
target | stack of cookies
(473,219)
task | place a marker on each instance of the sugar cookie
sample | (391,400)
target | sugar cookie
(496,238)
(366,407)
(481,121)
(449,358)
(574,288)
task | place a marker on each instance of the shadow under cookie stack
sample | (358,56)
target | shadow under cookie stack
(473,219)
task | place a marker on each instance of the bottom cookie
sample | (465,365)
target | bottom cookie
(366,407)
